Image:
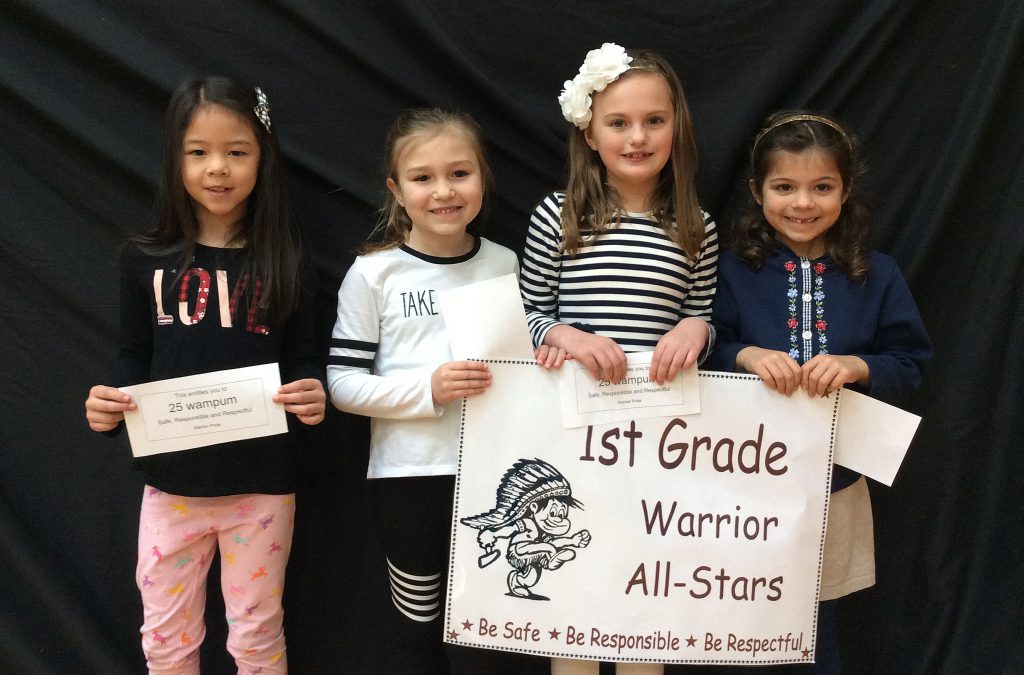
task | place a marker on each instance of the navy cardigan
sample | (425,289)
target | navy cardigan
(807,307)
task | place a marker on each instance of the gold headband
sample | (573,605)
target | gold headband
(802,118)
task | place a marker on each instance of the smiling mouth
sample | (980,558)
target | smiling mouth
(556,525)
(802,221)
(445,210)
(637,155)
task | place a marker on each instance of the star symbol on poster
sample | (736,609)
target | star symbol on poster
(554,633)
(452,635)
(467,625)
(806,652)
(691,641)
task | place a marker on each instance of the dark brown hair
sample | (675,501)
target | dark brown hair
(798,131)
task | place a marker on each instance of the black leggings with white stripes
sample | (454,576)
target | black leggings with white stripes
(413,519)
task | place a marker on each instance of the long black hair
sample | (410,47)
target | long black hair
(267,229)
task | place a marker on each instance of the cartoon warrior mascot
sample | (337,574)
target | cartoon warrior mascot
(531,511)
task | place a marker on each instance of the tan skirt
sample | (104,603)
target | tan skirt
(849,563)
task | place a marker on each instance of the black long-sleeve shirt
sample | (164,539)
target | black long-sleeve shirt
(194,326)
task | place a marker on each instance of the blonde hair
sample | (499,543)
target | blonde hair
(420,124)
(592,204)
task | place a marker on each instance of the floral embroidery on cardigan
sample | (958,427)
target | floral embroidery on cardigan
(819,308)
(818,297)
(791,294)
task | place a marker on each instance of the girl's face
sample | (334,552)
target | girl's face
(802,196)
(439,184)
(631,130)
(219,168)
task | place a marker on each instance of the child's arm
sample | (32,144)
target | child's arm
(726,319)
(693,337)
(826,373)
(542,260)
(458,379)
(353,383)
(546,355)
(891,368)
(304,398)
(903,346)
(357,390)
(551,357)
(303,395)
(105,407)
(679,348)
(600,355)
(776,369)
(538,284)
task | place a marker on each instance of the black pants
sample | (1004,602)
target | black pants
(413,522)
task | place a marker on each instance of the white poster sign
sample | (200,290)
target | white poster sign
(686,539)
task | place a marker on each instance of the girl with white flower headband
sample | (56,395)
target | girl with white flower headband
(624,259)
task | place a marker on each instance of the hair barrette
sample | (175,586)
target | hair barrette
(262,109)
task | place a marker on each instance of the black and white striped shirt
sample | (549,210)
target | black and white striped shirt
(632,283)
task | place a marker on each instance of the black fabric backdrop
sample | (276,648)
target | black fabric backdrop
(934,88)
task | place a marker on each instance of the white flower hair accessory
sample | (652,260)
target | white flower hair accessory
(262,109)
(601,67)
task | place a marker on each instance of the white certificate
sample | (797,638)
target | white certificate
(587,401)
(200,410)
(872,437)
(486,320)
